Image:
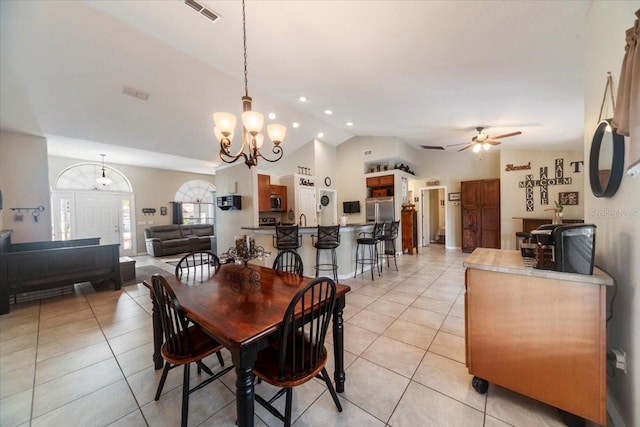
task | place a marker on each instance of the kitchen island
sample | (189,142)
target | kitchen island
(540,333)
(346,252)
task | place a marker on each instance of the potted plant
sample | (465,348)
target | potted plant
(558,214)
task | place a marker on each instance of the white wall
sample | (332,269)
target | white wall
(617,218)
(25,183)
(303,156)
(512,197)
(325,164)
(229,223)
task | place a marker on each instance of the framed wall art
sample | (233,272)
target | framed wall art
(568,198)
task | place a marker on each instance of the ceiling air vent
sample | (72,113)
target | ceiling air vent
(432,147)
(209,14)
(135,93)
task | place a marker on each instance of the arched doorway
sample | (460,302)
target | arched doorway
(82,207)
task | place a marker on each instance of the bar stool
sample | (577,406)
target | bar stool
(328,238)
(287,238)
(369,241)
(388,241)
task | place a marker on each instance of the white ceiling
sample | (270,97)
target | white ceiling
(427,72)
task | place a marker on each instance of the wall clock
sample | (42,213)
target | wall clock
(327,181)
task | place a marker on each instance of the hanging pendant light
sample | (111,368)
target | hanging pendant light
(252,122)
(103,179)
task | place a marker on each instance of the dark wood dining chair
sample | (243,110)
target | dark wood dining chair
(289,261)
(199,265)
(184,344)
(299,354)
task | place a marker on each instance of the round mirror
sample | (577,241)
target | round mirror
(606,160)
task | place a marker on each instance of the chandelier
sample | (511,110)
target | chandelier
(252,122)
(103,179)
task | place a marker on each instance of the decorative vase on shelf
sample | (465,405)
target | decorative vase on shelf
(557,218)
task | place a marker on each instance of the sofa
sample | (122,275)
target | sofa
(163,240)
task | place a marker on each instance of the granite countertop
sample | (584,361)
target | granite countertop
(504,261)
(314,228)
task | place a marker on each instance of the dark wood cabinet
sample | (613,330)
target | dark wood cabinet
(480,202)
(409,225)
(264,193)
(380,181)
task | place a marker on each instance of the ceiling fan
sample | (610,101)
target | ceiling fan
(483,140)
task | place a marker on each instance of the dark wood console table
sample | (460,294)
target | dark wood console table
(529,224)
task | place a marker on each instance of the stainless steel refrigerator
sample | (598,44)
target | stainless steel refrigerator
(379,209)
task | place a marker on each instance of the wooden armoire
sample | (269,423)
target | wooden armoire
(480,201)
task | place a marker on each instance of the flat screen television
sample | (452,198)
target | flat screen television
(351,207)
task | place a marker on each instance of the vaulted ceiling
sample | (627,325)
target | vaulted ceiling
(427,72)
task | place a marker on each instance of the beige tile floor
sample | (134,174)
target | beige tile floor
(85,359)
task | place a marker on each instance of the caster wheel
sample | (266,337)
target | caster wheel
(480,385)
(571,420)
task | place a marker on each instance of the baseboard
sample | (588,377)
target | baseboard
(453,248)
(613,411)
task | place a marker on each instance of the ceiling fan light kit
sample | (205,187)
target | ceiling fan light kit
(483,141)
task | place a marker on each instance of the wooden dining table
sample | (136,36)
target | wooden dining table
(242,307)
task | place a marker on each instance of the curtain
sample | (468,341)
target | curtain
(634,105)
(626,118)
(176,213)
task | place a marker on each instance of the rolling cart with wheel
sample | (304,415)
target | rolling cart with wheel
(539,333)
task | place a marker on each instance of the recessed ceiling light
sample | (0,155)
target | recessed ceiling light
(272,116)
(328,112)
(320,134)
(296,125)
(303,99)
(349,123)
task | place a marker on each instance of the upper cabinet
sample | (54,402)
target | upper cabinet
(380,181)
(267,193)
(264,193)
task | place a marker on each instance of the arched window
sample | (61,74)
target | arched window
(197,199)
(82,176)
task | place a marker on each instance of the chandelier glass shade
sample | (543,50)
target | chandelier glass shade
(252,123)
(103,179)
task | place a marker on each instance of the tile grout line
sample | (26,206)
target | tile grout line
(35,363)
(118,363)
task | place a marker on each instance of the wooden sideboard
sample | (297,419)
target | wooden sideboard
(529,224)
(540,333)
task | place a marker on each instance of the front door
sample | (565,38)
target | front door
(98,215)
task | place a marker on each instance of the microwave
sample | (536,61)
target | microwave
(276,203)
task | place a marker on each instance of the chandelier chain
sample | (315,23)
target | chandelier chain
(244,38)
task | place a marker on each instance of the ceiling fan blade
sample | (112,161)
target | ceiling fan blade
(432,147)
(453,145)
(492,142)
(506,135)
(462,149)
